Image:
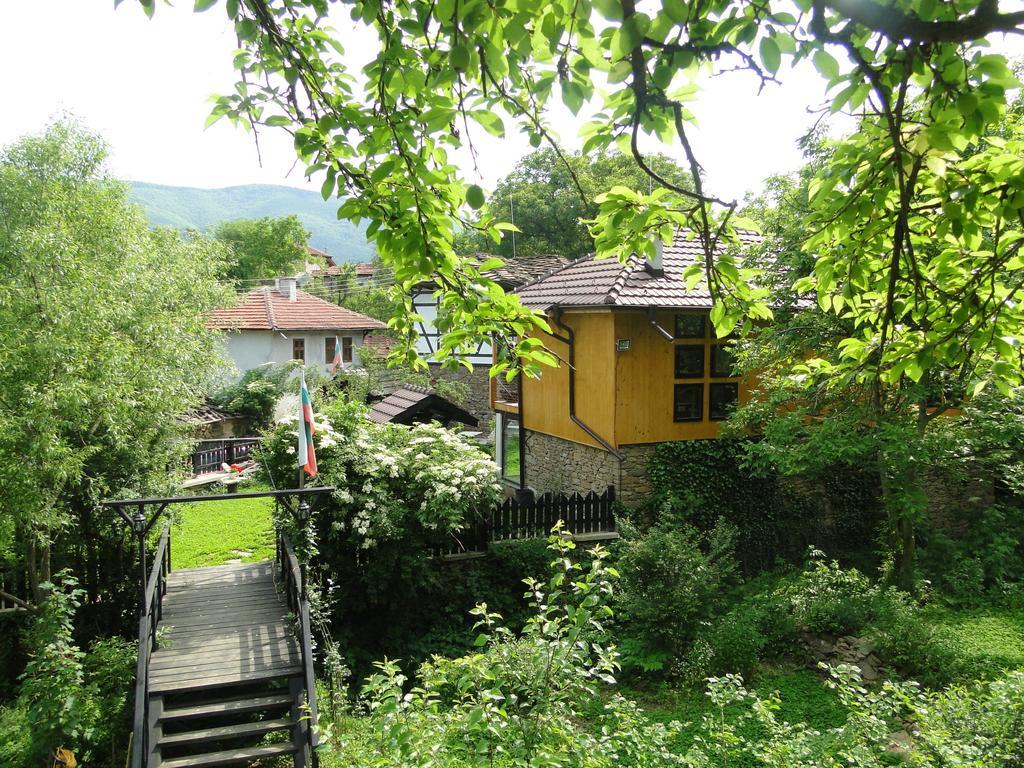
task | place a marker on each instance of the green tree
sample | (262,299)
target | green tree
(550,201)
(863,376)
(104,348)
(263,248)
(917,75)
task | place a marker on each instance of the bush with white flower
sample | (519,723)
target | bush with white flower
(391,480)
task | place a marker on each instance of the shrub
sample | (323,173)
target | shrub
(964,726)
(54,676)
(985,564)
(400,492)
(671,581)
(521,698)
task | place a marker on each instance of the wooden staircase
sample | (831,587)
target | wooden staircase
(226,682)
(224,667)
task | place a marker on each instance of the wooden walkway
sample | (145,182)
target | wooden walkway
(220,626)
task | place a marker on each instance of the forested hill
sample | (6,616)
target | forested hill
(201,209)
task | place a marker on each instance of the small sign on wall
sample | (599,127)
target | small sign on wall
(622,345)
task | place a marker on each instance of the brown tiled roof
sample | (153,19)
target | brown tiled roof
(588,282)
(324,256)
(266,309)
(515,272)
(398,402)
(409,401)
(365,269)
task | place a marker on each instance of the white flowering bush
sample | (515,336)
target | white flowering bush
(389,479)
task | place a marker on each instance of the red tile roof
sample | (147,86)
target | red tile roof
(266,309)
(588,282)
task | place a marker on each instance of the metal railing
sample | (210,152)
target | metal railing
(293,576)
(151,611)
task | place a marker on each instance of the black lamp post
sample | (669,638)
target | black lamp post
(139,527)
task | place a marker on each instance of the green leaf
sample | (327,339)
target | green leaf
(826,65)
(771,56)
(475,197)
(203,5)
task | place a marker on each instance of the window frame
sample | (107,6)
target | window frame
(677,388)
(715,372)
(299,345)
(347,349)
(720,385)
(329,344)
(677,322)
(680,349)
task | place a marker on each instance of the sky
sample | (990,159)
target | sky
(145,85)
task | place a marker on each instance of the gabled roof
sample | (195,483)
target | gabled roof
(588,282)
(267,309)
(411,403)
(515,271)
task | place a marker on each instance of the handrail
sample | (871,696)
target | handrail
(298,602)
(152,603)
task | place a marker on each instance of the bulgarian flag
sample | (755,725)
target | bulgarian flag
(307,453)
(337,355)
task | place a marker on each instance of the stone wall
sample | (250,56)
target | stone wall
(555,465)
(478,401)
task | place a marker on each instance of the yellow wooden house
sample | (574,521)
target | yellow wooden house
(640,366)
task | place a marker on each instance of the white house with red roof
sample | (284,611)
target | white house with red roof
(279,324)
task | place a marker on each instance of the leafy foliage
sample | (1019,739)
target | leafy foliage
(521,698)
(672,580)
(263,248)
(550,196)
(105,345)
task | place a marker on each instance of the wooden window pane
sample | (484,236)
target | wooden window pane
(330,343)
(688,403)
(722,361)
(346,349)
(299,349)
(720,400)
(690,361)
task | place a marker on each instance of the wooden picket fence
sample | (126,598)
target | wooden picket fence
(209,455)
(512,520)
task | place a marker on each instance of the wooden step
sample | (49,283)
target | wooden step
(221,732)
(172,684)
(236,705)
(230,756)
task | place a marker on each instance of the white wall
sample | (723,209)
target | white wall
(251,349)
(427,335)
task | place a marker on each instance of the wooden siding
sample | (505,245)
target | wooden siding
(645,380)
(545,406)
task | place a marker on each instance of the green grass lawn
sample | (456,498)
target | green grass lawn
(219,532)
(981,642)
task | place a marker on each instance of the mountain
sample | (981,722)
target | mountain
(202,209)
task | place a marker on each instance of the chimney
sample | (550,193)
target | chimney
(654,265)
(285,286)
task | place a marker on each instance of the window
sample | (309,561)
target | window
(720,400)
(330,342)
(690,361)
(346,349)
(508,448)
(721,361)
(690,325)
(688,403)
(299,349)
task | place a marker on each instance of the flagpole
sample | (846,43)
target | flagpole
(302,424)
